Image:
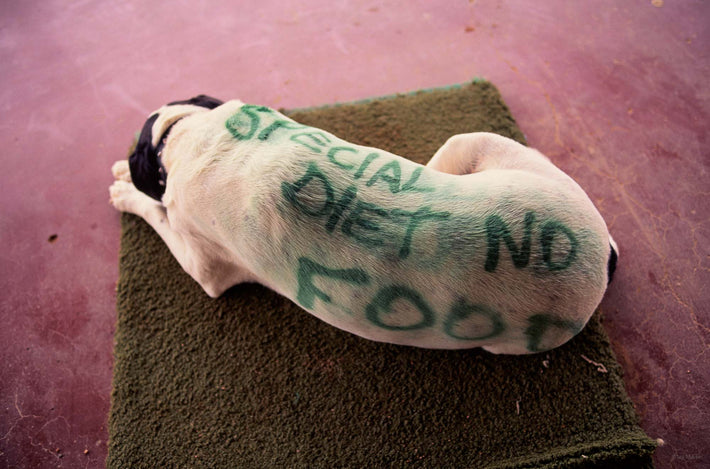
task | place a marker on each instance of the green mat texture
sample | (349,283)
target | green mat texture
(249,380)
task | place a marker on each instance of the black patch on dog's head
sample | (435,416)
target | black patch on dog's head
(202,100)
(611,264)
(147,171)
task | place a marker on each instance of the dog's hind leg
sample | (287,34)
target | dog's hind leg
(481,151)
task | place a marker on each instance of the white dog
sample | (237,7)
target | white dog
(488,245)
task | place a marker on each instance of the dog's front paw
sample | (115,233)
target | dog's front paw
(126,198)
(121,171)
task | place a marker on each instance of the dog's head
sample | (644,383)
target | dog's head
(147,171)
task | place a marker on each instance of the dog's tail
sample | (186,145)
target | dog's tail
(613,258)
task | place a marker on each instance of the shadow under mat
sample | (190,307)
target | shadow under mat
(250,380)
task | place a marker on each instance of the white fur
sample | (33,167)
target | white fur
(233,212)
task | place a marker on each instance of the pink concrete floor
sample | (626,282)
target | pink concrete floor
(616,93)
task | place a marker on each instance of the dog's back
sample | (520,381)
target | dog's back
(393,251)
(513,257)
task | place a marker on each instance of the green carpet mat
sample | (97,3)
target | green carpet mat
(250,380)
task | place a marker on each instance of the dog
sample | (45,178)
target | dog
(489,245)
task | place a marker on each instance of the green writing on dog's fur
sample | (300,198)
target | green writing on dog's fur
(312,208)
(415,219)
(365,163)
(246,123)
(335,150)
(364,219)
(462,311)
(542,323)
(308,292)
(339,207)
(314,195)
(279,124)
(497,229)
(314,140)
(383,302)
(374,226)
(396,307)
(391,174)
(547,237)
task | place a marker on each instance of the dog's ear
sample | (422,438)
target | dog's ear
(202,100)
(147,173)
